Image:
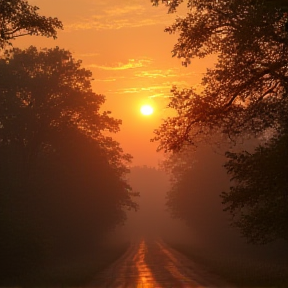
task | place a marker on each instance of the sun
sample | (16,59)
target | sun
(146,110)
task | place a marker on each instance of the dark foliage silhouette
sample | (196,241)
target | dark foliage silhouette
(244,94)
(19,18)
(62,181)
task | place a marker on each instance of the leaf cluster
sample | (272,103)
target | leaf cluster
(243,95)
(19,18)
(246,90)
(258,200)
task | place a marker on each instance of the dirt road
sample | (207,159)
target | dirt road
(153,264)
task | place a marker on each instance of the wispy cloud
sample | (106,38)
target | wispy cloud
(99,23)
(157,73)
(124,10)
(135,14)
(131,64)
(160,95)
(165,73)
(151,90)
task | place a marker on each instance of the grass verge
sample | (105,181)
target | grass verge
(79,272)
(241,271)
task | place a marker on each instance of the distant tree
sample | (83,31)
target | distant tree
(62,178)
(151,218)
(18,18)
(197,178)
(259,197)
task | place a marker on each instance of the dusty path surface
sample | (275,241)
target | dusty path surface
(153,264)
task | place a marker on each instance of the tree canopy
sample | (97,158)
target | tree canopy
(246,90)
(44,91)
(243,95)
(18,18)
(258,200)
(62,177)
(197,178)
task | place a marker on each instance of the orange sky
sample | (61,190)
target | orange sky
(123,44)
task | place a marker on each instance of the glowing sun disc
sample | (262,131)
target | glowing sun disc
(146,110)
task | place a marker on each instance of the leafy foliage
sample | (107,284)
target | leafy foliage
(62,179)
(244,94)
(197,179)
(47,91)
(246,90)
(258,200)
(173,4)
(18,18)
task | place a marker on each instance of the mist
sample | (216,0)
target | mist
(195,221)
(152,219)
(75,212)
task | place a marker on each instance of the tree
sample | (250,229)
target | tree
(244,94)
(258,200)
(62,177)
(197,178)
(151,219)
(46,91)
(18,18)
(246,90)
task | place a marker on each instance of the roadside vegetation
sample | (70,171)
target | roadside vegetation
(63,184)
(244,270)
(242,97)
(213,243)
(240,112)
(78,274)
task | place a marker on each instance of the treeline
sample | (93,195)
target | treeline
(62,178)
(242,97)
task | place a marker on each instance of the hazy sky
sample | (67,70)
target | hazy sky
(123,44)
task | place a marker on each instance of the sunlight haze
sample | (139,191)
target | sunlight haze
(143,143)
(124,45)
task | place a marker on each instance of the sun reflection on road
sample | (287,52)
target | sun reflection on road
(145,276)
(153,264)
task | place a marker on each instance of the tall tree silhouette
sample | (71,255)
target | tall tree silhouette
(246,91)
(63,180)
(245,94)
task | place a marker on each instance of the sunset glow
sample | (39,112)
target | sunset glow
(123,44)
(120,144)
